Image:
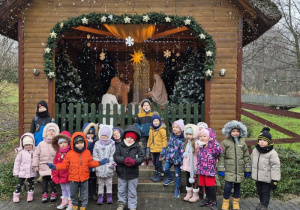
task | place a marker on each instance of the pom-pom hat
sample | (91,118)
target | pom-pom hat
(265,135)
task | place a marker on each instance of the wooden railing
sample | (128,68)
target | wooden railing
(71,117)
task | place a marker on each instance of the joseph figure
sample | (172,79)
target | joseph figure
(121,87)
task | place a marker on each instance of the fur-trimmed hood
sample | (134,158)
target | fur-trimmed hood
(87,126)
(195,131)
(61,135)
(228,127)
(21,147)
(50,125)
(102,127)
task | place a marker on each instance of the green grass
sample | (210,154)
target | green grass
(297,109)
(9,97)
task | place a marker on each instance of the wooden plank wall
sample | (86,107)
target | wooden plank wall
(217,17)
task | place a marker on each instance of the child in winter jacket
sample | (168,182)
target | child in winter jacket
(128,157)
(104,150)
(78,161)
(143,122)
(23,168)
(173,155)
(62,145)
(43,154)
(189,165)
(234,162)
(117,136)
(208,155)
(265,168)
(90,131)
(156,143)
(41,119)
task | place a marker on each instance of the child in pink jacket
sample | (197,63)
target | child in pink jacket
(23,168)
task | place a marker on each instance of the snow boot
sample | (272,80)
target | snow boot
(195,197)
(235,203)
(82,208)
(16,197)
(225,204)
(158,178)
(189,193)
(74,207)
(214,205)
(64,203)
(100,199)
(70,204)
(205,202)
(121,206)
(109,198)
(30,196)
(153,177)
(45,198)
(53,197)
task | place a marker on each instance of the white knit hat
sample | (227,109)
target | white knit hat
(27,140)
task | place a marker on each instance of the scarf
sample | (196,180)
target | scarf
(43,114)
(65,150)
(48,140)
(127,144)
(264,149)
(189,149)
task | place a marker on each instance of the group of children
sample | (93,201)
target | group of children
(77,162)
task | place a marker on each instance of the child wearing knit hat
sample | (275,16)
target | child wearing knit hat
(265,168)
(104,150)
(173,156)
(23,168)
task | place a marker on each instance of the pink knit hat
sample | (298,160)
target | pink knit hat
(205,131)
(180,123)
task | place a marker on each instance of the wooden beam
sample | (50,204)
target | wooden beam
(93,31)
(207,102)
(169,32)
(248,8)
(239,69)
(21,75)
(276,141)
(270,124)
(271,110)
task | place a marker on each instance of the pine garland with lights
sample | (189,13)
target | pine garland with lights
(191,83)
(107,73)
(149,18)
(67,83)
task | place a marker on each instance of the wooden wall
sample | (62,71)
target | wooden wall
(218,17)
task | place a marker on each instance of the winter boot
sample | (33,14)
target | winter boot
(195,197)
(64,203)
(75,208)
(189,193)
(214,205)
(177,192)
(45,198)
(109,198)
(158,178)
(258,207)
(235,203)
(82,208)
(30,196)
(225,204)
(53,197)
(70,204)
(168,181)
(121,206)
(100,199)
(16,197)
(153,177)
(205,202)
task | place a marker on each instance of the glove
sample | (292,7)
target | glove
(247,174)
(163,151)
(130,162)
(51,166)
(221,173)
(274,184)
(104,161)
(148,151)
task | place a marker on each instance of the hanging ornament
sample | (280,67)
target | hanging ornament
(88,44)
(127,19)
(61,25)
(103,19)
(146,18)
(129,41)
(187,21)
(177,54)
(202,36)
(88,36)
(137,57)
(208,73)
(53,34)
(85,20)
(209,53)
(173,60)
(167,53)
(102,56)
(168,20)
(47,50)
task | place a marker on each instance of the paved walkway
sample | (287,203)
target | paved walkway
(151,201)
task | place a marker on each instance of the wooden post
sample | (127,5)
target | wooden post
(207,102)
(239,70)
(21,75)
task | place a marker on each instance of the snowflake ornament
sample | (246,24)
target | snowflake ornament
(51,75)
(129,41)
(167,53)
(47,50)
(102,56)
(208,73)
(53,34)
(85,20)
(168,20)
(202,36)
(187,22)
(103,19)
(146,18)
(209,53)
(127,19)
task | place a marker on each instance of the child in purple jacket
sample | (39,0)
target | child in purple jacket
(207,162)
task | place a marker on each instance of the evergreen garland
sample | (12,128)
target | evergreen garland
(154,18)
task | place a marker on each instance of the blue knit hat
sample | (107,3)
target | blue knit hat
(91,131)
(145,101)
(153,118)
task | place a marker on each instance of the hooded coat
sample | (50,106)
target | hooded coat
(117,143)
(78,163)
(157,139)
(143,121)
(134,151)
(174,150)
(44,153)
(85,129)
(61,176)
(23,167)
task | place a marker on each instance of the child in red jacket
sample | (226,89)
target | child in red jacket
(61,144)
(78,161)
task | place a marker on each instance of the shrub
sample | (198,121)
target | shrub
(7,181)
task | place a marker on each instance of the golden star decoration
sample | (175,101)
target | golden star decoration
(137,57)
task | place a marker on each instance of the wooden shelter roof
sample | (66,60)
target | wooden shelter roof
(259,16)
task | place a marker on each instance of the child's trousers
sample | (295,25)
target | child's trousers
(21,183)
(228,187)
(92,184)
(107,181)
(177,173)
(74,187)
(46,180)
(65,190)
(157,163)
(127,192)
(264,193)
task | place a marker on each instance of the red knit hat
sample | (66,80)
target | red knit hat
(131,135)
(66,133)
